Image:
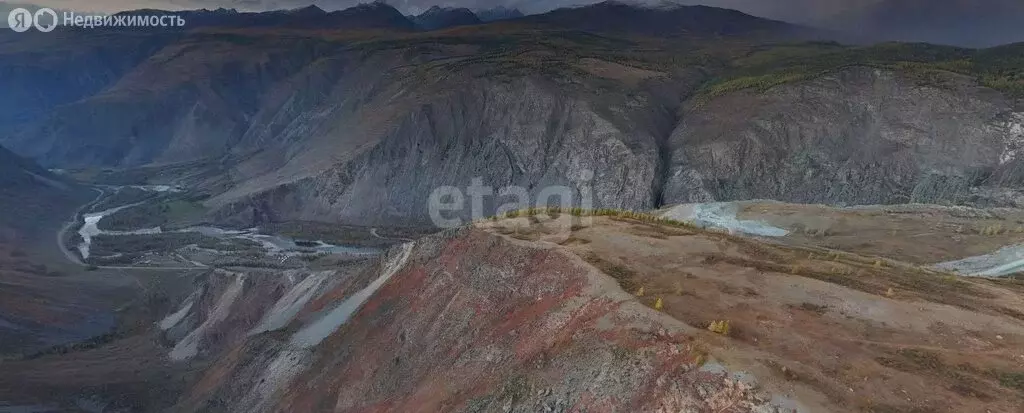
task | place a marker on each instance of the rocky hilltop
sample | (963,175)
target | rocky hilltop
(488,335)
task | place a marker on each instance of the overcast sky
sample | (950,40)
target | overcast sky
(792,10)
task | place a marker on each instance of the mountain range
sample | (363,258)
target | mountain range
(982,23)
(365,16)
(313,126)
(610,207)
(438,18)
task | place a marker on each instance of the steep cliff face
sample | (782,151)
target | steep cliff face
(319,131)
(524,133)
(859,136)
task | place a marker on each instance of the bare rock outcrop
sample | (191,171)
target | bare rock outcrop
(858,136)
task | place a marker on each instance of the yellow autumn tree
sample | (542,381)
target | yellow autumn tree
(719,327)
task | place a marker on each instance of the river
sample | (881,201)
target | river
(273,244)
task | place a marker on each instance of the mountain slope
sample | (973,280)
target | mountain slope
(667,20)
(376,15)
(363,127)
(204,106)
(614,313)
(42,71)
(855,142)
(507,146)
(498,13)
(439,18)
(31,197)
(859,136)
(39,308)
(551,333)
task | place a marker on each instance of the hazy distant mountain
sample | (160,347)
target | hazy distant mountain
(498,13)
(974,23)
(376,15)
(958,22)
(668,19)
(438,17)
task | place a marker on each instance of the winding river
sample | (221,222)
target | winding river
(276,245)
(91,229)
